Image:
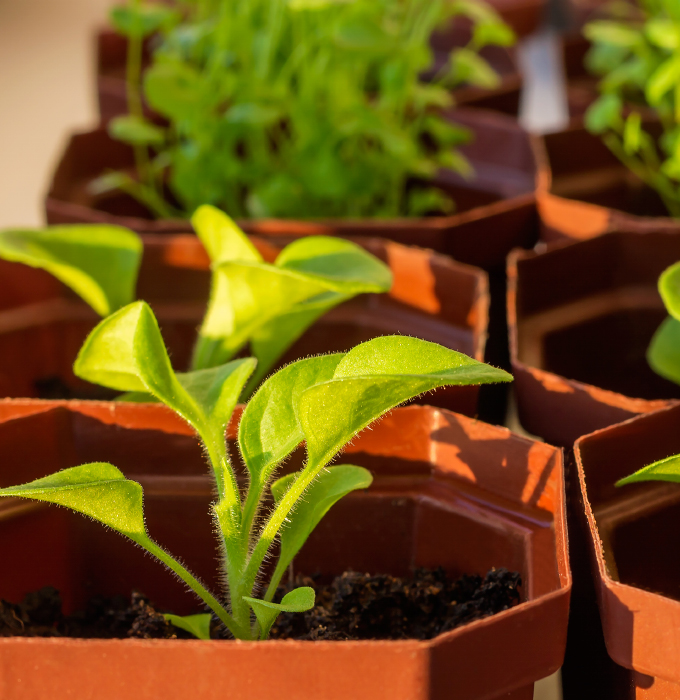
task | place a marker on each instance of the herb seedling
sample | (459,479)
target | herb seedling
(266,305)
(663,356)
(638,55)
(324,401)
(298,108)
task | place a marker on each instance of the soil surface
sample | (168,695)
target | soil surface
(360,606)
(353,606)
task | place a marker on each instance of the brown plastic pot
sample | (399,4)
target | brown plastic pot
(633,539)
(112,55)
(581,317)
(448,491)
(433,298)
(496,210)
(586,191)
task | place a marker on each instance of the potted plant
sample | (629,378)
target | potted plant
(306,173)
(618,168)
(581,317)
(430,296)
(524,528)
(636,583)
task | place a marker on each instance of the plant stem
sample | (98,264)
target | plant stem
(196,586)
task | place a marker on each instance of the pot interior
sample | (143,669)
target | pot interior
(408,518)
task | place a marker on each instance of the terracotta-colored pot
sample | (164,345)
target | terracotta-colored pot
(432,297)
(587,191)
(448,491)
(112,54)
(581,317)
(633,538)
(496,209)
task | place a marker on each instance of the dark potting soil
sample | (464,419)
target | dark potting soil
(361,606)
(353,606)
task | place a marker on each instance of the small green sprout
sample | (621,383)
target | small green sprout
(266,305)
(663,356)
(637,53)
(322,401)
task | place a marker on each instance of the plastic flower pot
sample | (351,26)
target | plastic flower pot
(633,538)
(432,297)
(447,491)
(586,191)
(496,209)
(581,317)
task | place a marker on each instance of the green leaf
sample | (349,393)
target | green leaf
(632,133)
(669,288)
(126,352)
(664,33)
(269,429)
(247,296)
(494,33)
(469,67)
(98,490)
(373,378)
(604,114)
(298,600)
(341,265)
(327,489)
(198,625)
(173,89)
(609,32)
(136,20)
(222,238)
(664,470)
(663,80)
(100,263)
(663,353)
(136,130)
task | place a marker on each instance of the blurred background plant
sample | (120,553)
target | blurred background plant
(297,108)
(637,53)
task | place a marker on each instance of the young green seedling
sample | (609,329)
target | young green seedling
(663,356)
(301,108)
(266,305)
(637,53)
(322,401)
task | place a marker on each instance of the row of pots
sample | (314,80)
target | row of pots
(449,490)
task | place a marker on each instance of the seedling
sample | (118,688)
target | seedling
(302,108)
(324,401)
(638,112)
(265,305)
(664,358)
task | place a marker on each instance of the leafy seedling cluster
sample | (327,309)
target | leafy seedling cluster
(322,401)
(267,306)
(297,108)
(637,53)
(663,356)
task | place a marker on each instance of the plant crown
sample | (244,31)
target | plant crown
(663,356)
(324,401)
(298,108)
(638,112)
(265,305)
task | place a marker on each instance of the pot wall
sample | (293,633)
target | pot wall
(496,210)
(632,534)
(581,317)
(437,499)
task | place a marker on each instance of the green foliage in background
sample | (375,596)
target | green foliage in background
(637,53)
(298,108)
